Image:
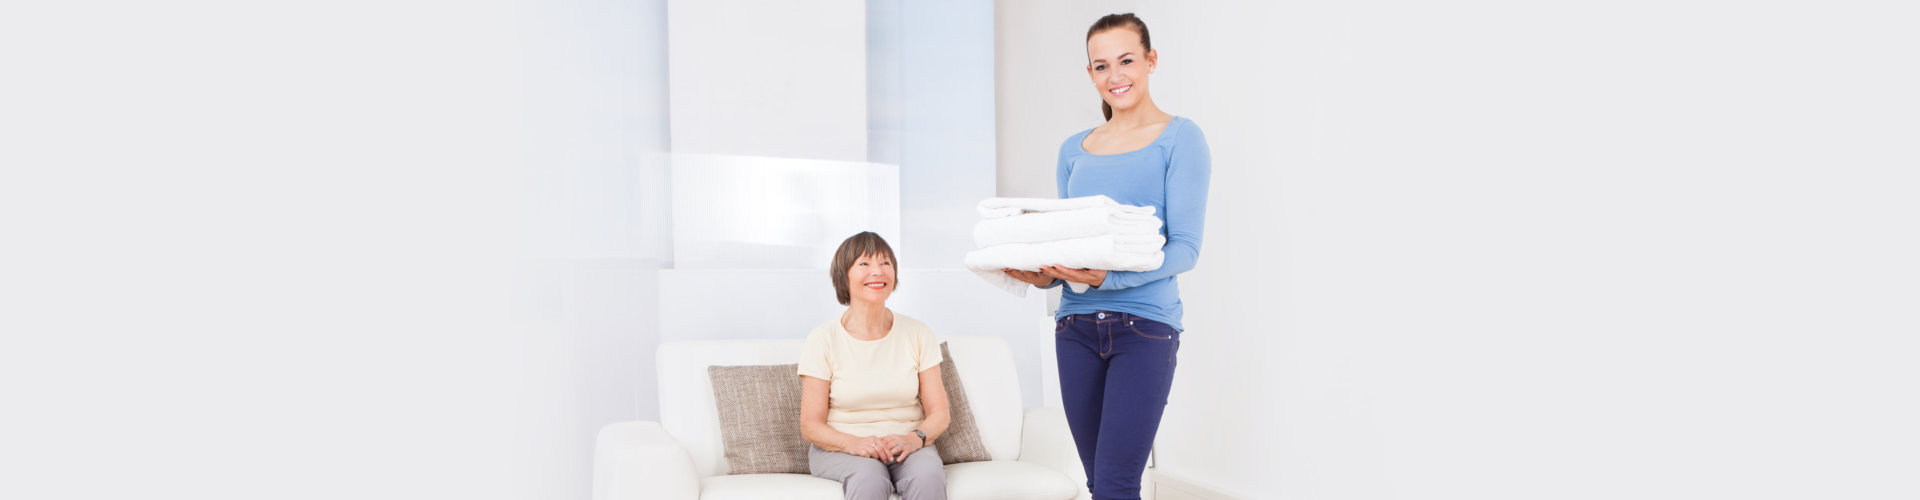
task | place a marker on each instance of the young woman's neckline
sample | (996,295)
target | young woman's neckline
(892,321)
(1156,139)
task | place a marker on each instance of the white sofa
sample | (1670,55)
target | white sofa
(680,457)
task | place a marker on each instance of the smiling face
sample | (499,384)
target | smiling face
(1118,64)
(862,270)
(870,278)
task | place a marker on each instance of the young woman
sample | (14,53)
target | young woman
(1117,341)
(871,399)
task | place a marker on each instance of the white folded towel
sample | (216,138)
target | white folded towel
(994,208)
(1112,252)
(1041,227)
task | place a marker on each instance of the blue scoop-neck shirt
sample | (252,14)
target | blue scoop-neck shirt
(1169,175)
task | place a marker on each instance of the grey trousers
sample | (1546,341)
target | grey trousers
(919,477)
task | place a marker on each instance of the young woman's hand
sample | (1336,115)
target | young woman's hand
(1089,276)
(1030,277)
(902,445)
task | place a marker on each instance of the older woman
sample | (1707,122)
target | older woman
(871,401)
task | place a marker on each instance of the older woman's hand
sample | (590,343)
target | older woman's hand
(1089,276)
(873,447)
(901,445)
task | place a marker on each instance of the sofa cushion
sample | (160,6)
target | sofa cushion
(993,392)
(760,418)
(765,486)
(961,442)
(994,480)
(1007,480)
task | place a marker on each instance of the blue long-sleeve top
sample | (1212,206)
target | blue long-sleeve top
(1169,175)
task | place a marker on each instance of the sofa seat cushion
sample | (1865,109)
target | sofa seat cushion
(1007,480)
(765,486)
(992,480)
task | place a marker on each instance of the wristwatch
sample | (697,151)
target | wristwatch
(923,437)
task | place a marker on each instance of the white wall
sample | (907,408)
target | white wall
(1043,94)
(260,250)
(1507,251)
(595,88)
(931,111)
(761,78)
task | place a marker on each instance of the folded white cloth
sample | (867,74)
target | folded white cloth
(994,208)
(1112,252)
(1041,227)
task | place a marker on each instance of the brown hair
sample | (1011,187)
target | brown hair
(857,246)
(1119,21)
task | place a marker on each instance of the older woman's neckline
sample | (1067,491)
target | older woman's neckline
(888,319)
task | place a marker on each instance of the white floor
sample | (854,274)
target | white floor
(1172,487)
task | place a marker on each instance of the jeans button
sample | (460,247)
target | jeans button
(1102,315)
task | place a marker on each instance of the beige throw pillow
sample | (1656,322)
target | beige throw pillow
(760,418)
(961,443)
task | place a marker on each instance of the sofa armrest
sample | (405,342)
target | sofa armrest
(1046,441)
(638,460)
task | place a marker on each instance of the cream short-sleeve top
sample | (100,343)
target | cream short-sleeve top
(875,384)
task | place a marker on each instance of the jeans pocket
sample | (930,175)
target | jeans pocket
(1060,325)
(1151,329)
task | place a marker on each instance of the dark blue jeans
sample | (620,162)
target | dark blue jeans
(1115,371)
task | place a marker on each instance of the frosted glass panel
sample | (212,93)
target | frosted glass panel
(706,304)
(753,212)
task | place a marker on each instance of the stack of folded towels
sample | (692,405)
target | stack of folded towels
(1092,232)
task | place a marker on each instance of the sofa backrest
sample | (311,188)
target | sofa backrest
(688,413)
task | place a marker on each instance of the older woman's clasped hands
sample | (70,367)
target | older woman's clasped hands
(888,449)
